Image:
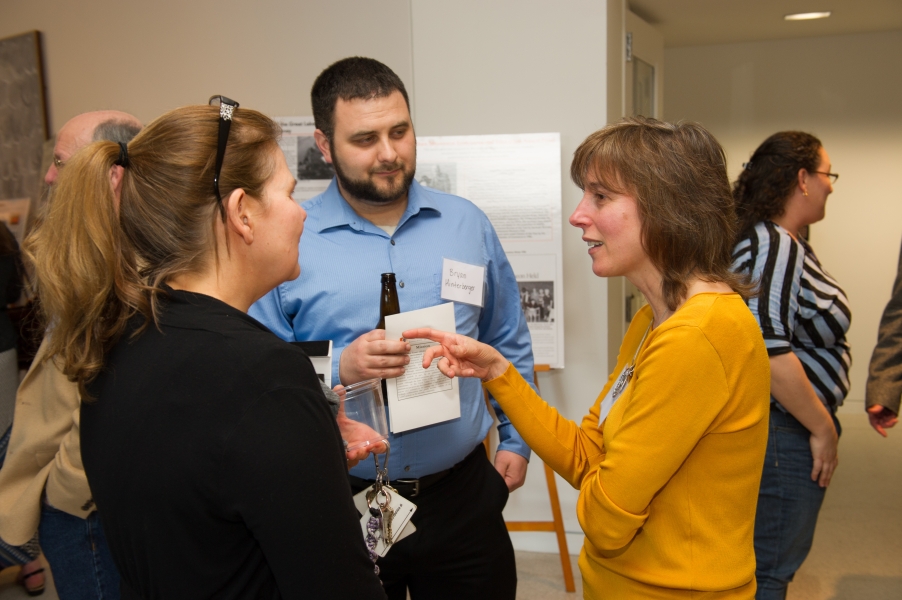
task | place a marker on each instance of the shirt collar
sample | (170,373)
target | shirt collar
(336,212)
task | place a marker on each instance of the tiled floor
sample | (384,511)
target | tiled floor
(539,577)
(10,590)
(857,553)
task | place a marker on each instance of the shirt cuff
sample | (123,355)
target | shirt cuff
(511,440)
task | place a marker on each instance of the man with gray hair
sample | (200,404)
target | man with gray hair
(43,487)
(85,128)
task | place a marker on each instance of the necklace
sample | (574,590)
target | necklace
(627,373)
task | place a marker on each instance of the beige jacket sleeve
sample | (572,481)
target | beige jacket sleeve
(43,452)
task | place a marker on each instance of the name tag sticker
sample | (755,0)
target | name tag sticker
(462,282)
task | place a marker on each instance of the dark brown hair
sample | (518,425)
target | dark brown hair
(350,79)
(677,175)
(768,179)
(99,261)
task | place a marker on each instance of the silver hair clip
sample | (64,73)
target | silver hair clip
(747,165)
(226,110)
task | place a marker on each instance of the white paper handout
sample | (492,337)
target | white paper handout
(421,396)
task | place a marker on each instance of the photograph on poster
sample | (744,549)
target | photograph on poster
(537,278)
(537,300)
(311,164)
(441,177)
(304,159)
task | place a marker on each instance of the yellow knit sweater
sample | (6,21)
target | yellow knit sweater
(669,484)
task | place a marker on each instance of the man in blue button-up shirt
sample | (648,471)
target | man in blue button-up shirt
(374,219)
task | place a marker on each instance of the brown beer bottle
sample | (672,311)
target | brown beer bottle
(388,303)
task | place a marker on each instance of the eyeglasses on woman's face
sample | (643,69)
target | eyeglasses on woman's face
(833,176)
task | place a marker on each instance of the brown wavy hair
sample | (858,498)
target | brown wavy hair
(770,176)
(677,174)
(98,261)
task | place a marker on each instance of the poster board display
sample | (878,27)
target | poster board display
(516,180)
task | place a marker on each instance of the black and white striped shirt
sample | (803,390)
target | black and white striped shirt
(799,307)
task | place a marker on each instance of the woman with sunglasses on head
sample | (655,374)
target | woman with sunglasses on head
(804,316)
(668,459)
(213,456)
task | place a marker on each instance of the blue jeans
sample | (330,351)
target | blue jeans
(788,504)
(79,556)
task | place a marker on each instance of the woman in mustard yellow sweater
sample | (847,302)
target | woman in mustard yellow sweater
(668,460)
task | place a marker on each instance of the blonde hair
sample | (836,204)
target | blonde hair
(99,262)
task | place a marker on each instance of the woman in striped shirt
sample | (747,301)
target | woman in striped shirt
(804,316)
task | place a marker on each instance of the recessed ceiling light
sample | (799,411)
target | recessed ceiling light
(807,16)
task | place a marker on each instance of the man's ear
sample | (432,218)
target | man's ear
(322,142)
(116,174)
(238,216)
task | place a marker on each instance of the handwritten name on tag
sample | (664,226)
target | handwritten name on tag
(462,282)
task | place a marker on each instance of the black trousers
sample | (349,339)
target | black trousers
(461,549)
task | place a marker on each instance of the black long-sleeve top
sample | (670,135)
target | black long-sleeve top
(217,466)
(10,285)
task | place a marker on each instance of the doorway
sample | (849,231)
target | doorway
(642,81)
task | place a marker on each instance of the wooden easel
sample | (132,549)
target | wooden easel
(556,524)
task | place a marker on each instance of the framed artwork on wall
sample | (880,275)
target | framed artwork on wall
(23,119)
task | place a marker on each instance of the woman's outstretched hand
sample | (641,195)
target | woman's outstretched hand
(463,356)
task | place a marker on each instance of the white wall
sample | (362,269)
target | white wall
(528,66)
(471,68)
(846,90)
(149,57)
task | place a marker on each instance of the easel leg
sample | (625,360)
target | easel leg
(558,520)
(557,523)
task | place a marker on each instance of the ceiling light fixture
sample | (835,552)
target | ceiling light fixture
(807,16)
